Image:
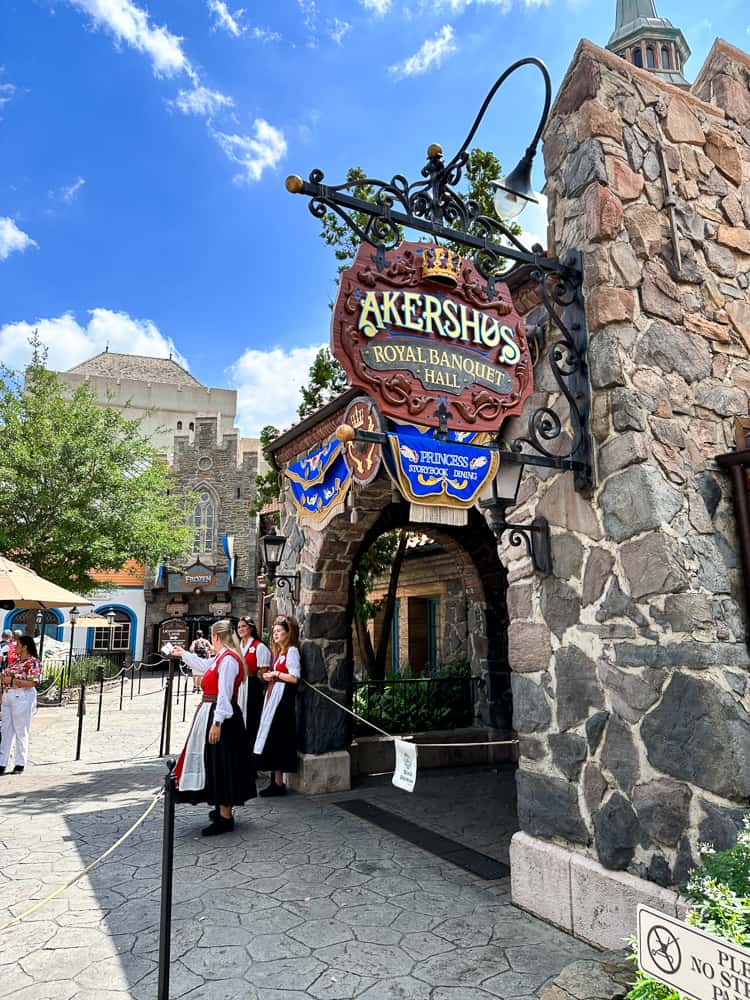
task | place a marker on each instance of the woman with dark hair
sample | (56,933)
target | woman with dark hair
(276,742)
(257,657)
(213,766)
(19,681)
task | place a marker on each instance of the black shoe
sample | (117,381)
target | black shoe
(215,814)
(273,789)
(2,770)
(219,826)
(18,769)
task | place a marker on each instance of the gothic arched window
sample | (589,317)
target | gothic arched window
(204,523)
(650,58)
(179,425)
(638,58)
(664,57)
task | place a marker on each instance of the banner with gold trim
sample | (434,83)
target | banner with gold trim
(319,484)
(431,472)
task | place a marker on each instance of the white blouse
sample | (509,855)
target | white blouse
(228,670)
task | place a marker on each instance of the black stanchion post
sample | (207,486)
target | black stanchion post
(167,868)
(132,679)
(140,677)
(101,699)
(168,719)
(179,678)
(163,722)
(81,713)
(122,686)
(184,699)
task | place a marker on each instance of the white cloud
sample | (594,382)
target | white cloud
(226,20)
(12,240)
(265,34)
(379,7)
(131,24)
(339,29)
(430,53)
(7,92)
(267,384)
(69,343)
(68,192)
(254,154)
(201,101)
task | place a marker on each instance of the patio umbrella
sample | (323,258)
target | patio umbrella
(24,589)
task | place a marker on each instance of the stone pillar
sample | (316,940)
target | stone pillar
(630,681)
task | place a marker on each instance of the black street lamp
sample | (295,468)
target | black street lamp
(73,615)
(273,550)
(41,616)
(110,616)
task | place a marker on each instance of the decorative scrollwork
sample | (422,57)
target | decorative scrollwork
(566,355)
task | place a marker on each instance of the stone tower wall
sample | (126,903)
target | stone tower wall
(631,669)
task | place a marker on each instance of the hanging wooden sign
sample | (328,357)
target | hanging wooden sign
(422,337)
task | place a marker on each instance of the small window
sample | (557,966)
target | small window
(179,425)
(192,426)
(638,58)
(116,638)
(203,523)
(650,59)
(664,57)
(239,492)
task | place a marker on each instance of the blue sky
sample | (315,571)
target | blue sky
(145,146)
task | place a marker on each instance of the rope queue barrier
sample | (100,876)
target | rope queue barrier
(422,746)
(157,795)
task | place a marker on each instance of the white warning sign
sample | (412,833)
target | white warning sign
(405,775)
(691,961)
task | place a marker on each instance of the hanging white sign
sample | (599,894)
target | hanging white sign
(694,963)
(405,775)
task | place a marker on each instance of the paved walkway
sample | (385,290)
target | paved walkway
(302,901)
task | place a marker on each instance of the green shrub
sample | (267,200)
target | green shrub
(720,893)
(400,707)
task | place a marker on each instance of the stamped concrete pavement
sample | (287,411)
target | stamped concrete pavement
(302,901)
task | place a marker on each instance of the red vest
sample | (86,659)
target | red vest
(251,658)
(210,683)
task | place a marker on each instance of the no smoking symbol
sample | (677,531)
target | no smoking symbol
(664,950)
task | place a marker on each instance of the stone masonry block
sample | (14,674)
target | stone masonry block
(319,774)
(604,903)
(540,879)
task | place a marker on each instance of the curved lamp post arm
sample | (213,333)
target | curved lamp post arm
(528,61)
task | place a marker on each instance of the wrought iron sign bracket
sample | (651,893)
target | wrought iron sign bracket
(432,205)
(535,536)
(286,585)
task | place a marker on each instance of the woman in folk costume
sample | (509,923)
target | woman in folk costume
(276,742)
(257,658)
(213,766)
(19,680)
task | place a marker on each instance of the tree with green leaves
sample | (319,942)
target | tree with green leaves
(325,379)
(81,488)
(385,555)
(267,485)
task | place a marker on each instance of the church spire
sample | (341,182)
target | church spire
(649,41)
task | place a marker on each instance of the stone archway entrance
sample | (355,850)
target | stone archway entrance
(327,559)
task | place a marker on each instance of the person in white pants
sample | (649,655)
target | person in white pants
(19,681)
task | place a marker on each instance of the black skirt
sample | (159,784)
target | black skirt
(230,775)
(256,691)
(280,750)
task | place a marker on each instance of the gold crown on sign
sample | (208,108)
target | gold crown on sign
(441,265)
